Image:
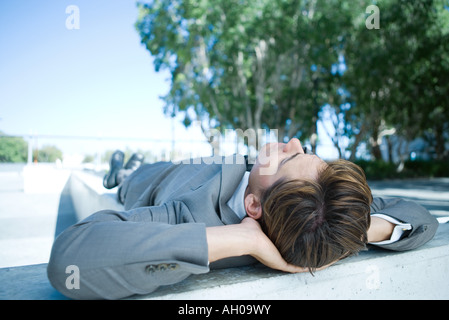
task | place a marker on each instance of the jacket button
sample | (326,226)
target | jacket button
(173,266)
(162,267)
(150,268)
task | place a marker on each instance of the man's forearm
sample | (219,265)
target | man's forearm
(423,224)
(227,241)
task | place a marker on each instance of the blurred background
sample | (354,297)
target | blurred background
(362,80)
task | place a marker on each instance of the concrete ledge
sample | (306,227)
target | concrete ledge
(89,195)
(375,274)
(27,283)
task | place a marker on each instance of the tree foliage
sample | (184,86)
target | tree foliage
(47,153)
(244,64)
(289,64)
(12,149)
(398,75)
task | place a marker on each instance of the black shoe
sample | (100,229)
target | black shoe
(135,161)
(116,163)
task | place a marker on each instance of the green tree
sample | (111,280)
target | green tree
(275,64)
(246,64)
(12,149)
(398,75)
(47,153)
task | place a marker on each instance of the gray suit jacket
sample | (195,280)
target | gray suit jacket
(160,237)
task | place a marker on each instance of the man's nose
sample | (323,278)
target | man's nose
(293,146)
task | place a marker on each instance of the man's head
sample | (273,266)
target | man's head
(315,213)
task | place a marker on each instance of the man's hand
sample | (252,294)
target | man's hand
(265,251)
(246,238)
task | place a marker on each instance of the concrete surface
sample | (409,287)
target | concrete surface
(27,221)
(89,195)
(30,221)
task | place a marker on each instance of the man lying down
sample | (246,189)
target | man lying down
(292,212)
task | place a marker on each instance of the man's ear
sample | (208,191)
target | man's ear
(252,206)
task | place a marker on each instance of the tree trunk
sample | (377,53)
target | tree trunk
(375,146)
(439,143)
(358,139)
(390,149)
(314,135)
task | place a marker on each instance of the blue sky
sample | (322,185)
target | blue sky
(97,80)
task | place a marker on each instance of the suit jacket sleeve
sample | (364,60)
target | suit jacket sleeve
(424,225)
(132,252)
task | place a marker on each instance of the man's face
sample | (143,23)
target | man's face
(283,160)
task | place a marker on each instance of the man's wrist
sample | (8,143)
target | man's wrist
(228,241)
(380,230)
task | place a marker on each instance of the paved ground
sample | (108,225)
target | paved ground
(30,221)
(433,194)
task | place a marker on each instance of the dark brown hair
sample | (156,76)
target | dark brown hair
(315,223)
